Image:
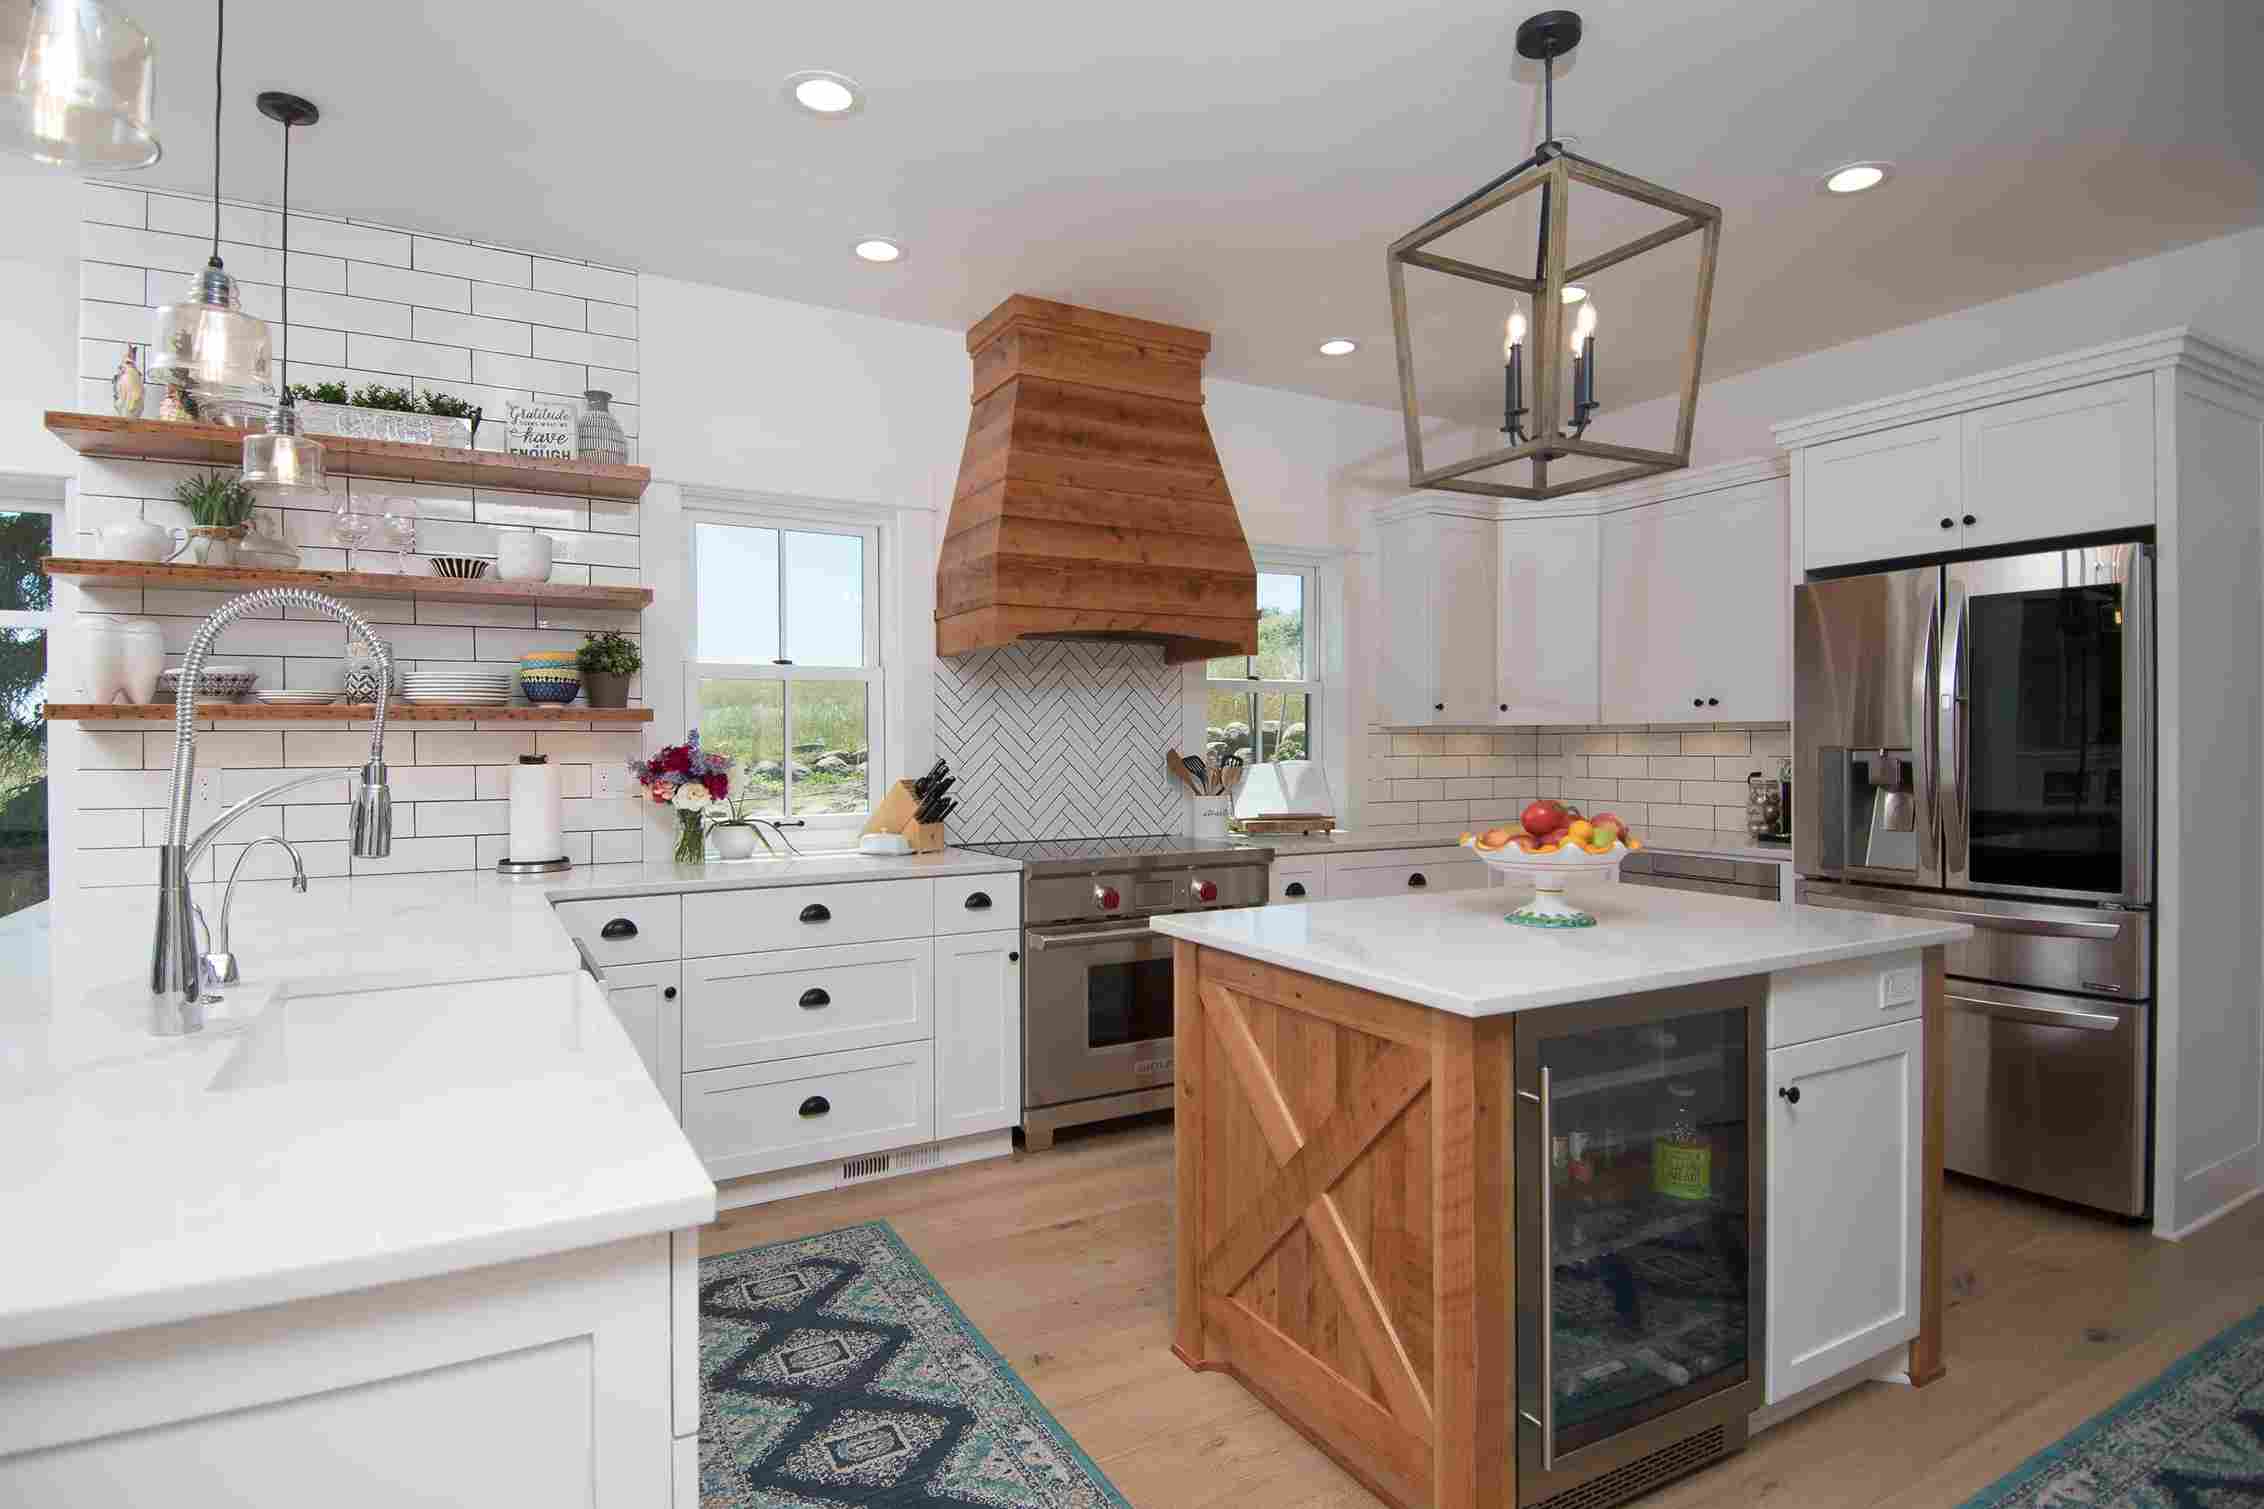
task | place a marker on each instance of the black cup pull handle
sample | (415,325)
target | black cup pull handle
(1949,523)
(1713,702)
(1970,520)
(1294,888)
(1697,702)
(816,912)
(617,929)
(815,997)
(1789,1094)
(816,1105)
(1417,880)
(978,901)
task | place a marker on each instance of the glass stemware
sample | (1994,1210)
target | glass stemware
(400,524)
(352,522)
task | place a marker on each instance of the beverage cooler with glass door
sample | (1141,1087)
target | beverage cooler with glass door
(1639,1140)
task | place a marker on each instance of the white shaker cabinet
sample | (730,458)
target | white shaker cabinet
(978,1055)
(1844,1202)
(2073,462)
(1548,599)
(1436,591)
(1880,496)
(647,1000)
(1695,610)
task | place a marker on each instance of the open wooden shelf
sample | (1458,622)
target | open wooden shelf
(216,445)
(343,712)
(353,583)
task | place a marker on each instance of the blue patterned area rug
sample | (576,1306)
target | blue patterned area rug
(2191,1439)
(835,1373)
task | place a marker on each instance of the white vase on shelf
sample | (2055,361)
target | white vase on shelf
(122,658)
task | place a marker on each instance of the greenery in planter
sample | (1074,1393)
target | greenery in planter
(392,400)
(607,653)
(215,500)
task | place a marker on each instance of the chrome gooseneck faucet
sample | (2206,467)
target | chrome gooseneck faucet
(176,983)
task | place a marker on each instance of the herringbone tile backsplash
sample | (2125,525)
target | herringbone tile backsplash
(1060,739)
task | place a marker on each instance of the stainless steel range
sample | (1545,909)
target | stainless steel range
(1096,984)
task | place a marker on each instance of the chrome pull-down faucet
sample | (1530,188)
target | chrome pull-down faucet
(176,982)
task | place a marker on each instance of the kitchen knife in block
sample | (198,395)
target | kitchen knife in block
(898,813)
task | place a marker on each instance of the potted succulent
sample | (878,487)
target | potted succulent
(221,506)
(608,661)
(377,412)
(729,827)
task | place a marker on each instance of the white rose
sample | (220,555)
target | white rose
(691,797)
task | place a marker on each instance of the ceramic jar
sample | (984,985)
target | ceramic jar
(364,672)
(214,544)
(135,540)
(601,437)
(550,676)
(523,557)
(123,658)
(734,840)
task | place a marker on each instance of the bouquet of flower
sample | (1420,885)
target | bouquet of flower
(688,779)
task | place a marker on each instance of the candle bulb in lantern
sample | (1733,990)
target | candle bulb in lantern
(1513,373)
(1583,342)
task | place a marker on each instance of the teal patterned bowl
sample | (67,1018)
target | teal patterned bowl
(550,676)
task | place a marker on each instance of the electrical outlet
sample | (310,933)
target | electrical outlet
(607,779)
(1898,987)
(204,796)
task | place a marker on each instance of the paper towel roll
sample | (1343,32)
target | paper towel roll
(538,823)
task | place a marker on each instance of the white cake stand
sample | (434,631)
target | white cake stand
(1548,874)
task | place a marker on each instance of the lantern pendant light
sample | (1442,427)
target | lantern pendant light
(205,342)
(1559,334)
(283,460)
(81,76)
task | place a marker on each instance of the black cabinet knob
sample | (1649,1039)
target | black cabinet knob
(1014,957)
(1713,702)
(1417,881)
(1438,707)
(669,994)
(1948,523)
(1790,1095)
(816,912)
(978,901)
(617,929)
(816,1105)
(1697,702)
(1969,519)
(815,997)
(1294,888)
(1505,707)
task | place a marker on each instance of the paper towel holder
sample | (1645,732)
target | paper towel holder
(509,866)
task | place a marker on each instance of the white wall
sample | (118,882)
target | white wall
(39,312)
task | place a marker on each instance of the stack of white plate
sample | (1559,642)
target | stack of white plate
(297,698)
(470,687)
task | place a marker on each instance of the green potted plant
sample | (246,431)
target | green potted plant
(608,660)
(378,412)
(221,507)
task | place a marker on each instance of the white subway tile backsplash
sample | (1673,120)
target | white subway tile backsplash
(587,282)
(1443,765)
(621,384)
(122,788)
(307,343)
(338,311)
(617,550)
(477,331)
(483,747)
(410,358)
(346,241)
(615,846)
(532,306)
(581,346)
(437,819)
(613,319)
(406,286)
(114,322)
(512,644)
(589,748)
(103,205)
(1717,743)
(432,783)
(113,284)
(526,372)
(1678,815)
(477,615)
(531,510)
(485,263)
(235,785)
(347,747)
(1442,812)
(411,855)
(238,222)
(109,749)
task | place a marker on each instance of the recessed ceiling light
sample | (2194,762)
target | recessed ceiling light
(826,94)
(879,249)
(1339,347)
(1856,177)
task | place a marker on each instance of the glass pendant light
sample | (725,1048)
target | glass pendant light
(283,460)
(81,79)
(205,342)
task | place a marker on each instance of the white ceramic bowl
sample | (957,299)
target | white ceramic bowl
(1547,874)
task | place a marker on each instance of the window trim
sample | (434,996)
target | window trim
(1310,685)
(873,673)
(47,618)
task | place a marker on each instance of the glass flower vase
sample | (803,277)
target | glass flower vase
(691,839)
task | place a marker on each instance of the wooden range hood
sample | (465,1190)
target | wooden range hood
(1091,503)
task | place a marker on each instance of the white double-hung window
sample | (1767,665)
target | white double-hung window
(1262,706)
(784,674)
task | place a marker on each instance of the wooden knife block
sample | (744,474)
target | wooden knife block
(895,815)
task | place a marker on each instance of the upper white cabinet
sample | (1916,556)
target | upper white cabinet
(2076,461)
(1879,496)
(1546,657)
(1436,595)
(1695,609)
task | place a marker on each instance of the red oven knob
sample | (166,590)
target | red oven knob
(1105,897)
(1205,891)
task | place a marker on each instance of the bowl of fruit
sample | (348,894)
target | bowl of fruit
(1552,843)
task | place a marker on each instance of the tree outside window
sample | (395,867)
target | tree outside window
(1261,707)
(26,613)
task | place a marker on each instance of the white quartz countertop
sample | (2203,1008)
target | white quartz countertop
(415,1079)
(1700,841)
(1454,952)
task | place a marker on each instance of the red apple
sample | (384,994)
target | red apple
(1543,817)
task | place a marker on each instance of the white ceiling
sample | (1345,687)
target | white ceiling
(1242,167)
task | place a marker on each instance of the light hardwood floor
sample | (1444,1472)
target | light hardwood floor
(1064,1260)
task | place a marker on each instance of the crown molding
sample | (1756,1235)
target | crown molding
(2164,350)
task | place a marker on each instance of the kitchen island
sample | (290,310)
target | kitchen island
(1494,1214)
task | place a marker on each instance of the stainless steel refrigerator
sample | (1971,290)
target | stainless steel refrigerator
(1975,740)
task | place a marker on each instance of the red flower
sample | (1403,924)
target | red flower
(718,785)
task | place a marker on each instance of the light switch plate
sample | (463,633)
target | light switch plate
(608,779)
(1898,987)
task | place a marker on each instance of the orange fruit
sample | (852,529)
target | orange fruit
(1548,848)
(1581,829)
(1633,843)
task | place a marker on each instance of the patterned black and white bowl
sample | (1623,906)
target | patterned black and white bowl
(463,567)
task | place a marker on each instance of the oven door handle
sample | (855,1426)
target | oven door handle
(1041,942)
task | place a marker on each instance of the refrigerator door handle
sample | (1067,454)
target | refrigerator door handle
(1923,689)
(1545,1422)
(1952,813)
(2138,790)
